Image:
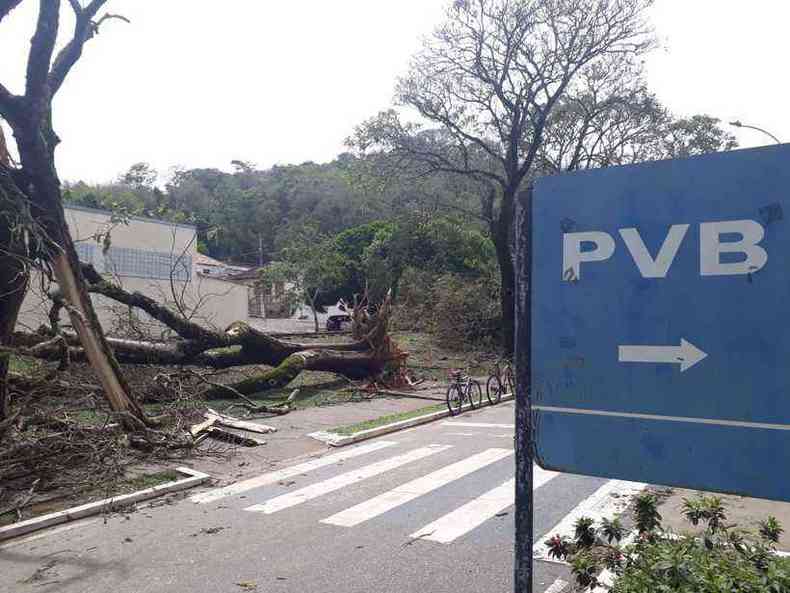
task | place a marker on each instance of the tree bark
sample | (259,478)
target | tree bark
(13,281)
(315,313)
(349,364)
(36,140)
(501,231)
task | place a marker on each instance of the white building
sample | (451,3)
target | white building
(153,257)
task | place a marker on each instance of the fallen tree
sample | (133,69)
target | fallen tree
(370,354)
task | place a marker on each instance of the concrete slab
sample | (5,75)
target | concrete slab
(291,440)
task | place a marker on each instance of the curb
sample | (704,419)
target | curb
(334,439)
(105,505)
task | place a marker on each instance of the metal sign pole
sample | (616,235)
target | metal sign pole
(522,257)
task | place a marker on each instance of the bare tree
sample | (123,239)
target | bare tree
(490,77)
(31,119)
(611,118)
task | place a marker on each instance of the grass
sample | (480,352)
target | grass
(22,365)
(388,419)
(431,360)
(144,481)
(315,389)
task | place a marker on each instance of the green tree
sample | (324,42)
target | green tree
(317,271)
(489,77)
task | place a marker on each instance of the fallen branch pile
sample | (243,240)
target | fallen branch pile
(370,354)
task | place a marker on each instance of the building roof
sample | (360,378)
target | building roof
(81,208)
(204,260)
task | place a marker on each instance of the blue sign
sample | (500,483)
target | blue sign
(661,322)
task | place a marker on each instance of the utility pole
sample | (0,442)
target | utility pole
(523,563)
(260,250)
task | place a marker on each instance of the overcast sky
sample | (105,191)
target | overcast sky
(199,83)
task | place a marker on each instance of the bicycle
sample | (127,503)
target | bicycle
(463,387)
(500,382)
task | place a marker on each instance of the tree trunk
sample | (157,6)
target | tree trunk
(315,313)
(501,231)
(507,299)
(13,285)
(36,142)
(349,364)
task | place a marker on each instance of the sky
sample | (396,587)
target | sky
(198,83)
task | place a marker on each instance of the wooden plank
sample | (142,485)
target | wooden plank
(232,422)
(202,426)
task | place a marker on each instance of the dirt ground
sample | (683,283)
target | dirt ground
(743,511)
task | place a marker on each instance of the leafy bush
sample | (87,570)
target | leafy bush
(646,514)
(466,311)
(770,529)
(460,310)
(725,559)
(414,304)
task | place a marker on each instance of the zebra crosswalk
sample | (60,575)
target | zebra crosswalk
(336,483)
(468,510)
(411,490)
(289,472)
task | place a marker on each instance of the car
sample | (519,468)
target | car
(340,322)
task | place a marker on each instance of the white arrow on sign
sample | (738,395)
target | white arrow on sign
(686,355)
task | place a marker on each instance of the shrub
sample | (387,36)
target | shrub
(460,310)
(770,530)
(725,559)
(646,514)
(466,311)
(413,309)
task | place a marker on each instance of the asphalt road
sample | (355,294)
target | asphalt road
(428,510)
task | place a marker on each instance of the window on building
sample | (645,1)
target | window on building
(139,263)
(86,252)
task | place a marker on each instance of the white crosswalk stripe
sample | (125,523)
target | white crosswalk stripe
(476,512)
(477,424)
(606,502)
(336,483)
(289,472)
(461,518)
(416,488)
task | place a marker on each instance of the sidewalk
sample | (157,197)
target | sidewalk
(746,512)
(291,440)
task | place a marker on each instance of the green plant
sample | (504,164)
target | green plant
(646,515)
(584,533)
(725,559)
(709,509)
(612,529)
(692,510)
(585,569)
(559,547)
(714,513)
(770,530)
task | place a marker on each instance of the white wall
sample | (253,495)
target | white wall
(158,246)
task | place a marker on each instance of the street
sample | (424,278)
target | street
(426,509)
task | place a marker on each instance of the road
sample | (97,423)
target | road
(424,510)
